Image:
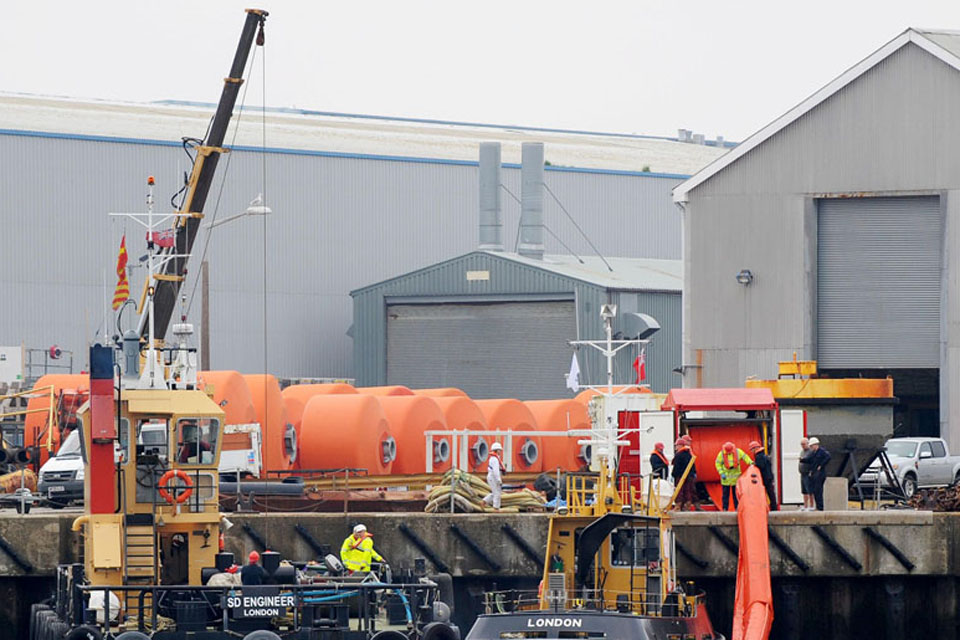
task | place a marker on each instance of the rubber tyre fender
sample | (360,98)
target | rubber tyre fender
(261,634)
(58,630)
(440,631)
(84,632)
(389,634)
(44,618)
(132,635)
(35,610)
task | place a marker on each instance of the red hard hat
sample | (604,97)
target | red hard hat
(728,447)
(679,443)
(754,445)
(658,446)
(254,557)
(686,438)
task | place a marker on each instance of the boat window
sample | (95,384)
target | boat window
(511,635)
(152,439)
(938,450)
(902,449)
(640,544)
(123,434)
(197,440)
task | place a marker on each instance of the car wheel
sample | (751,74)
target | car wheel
(956,480)
(909,485)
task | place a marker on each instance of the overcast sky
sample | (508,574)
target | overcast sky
(645,67)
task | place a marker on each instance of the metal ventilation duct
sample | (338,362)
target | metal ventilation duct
(531,201)
(491,221)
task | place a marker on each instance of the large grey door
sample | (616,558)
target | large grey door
(496,350)
(878,282)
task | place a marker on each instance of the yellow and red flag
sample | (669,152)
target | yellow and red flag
(122,292)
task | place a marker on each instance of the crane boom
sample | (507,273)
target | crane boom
(168,283)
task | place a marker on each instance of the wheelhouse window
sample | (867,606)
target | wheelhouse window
(637,547)
(152,440)
(197,440)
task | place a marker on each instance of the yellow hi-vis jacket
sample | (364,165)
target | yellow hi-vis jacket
(357,552)
(728,466)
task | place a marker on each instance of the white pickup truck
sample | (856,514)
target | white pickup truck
(918,462)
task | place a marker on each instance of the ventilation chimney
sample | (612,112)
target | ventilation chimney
(531,201)
(491,222)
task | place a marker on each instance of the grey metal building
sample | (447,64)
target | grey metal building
(347,211)
(497,325)
(842,220)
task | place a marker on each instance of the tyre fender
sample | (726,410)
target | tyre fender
(84,632)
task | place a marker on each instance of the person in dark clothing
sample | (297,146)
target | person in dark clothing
(252,573)
(659,464)
(765,466)
(681,459)
(818,470)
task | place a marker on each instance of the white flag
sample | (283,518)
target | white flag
(573,378)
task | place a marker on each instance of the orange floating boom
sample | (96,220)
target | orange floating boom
(753,604)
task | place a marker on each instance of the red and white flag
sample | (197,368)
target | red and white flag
(640,365)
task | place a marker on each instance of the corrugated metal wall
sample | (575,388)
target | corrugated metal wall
(509,280)
(892,130)
(339,223)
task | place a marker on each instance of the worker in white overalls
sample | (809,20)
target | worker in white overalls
(495,475)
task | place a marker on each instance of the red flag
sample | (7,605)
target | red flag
(640,365)
(122,292)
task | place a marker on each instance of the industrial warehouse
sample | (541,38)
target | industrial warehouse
(276,373)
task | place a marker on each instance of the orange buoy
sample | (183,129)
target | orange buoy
(279,449)
(391,390)
(561,415)
(513,415)
(35,423)
(409,418)
(295,398)
(463,413)
(346,431)
(443,392)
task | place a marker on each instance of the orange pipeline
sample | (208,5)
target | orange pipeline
(753,606)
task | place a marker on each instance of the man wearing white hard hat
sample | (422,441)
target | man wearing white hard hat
(495,475)
(818,470)
(357,550)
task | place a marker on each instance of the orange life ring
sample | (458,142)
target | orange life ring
(179,473)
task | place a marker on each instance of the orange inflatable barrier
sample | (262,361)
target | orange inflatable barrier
(561,415)
(390,390)
(409,418)
(443,392)
(295,398)
(35,424)
(279,436)
(753,604)
(707,442)
(513,415)
(232,393)
(341,431)
(463,413)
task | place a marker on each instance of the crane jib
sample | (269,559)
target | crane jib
(201,179)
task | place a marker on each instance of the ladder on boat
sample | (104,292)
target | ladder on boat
(140,558)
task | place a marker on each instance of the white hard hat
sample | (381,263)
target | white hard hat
(813,441)
(360,528)
(496,446)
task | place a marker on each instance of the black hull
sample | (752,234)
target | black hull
(608,625)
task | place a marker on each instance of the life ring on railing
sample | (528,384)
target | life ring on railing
(165,478)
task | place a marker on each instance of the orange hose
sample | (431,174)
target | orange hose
(753,605)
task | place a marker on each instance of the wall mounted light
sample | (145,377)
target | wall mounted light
(745,277)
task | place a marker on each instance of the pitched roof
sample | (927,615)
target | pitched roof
(624,274)
(944,45)
(736,399)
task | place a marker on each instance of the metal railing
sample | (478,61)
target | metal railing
(677,604)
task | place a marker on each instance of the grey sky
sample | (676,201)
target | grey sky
(639,67)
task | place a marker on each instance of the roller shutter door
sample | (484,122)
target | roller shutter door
(878,282)
(496,350)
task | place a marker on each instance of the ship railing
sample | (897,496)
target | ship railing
(204,607)
(676,604)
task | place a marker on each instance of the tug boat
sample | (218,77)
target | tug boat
(151,440)
(610,572)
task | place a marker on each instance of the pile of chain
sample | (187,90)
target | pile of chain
(940,499)
(468,492)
